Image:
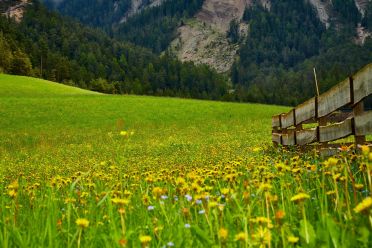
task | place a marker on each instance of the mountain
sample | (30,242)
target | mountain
(44,44)
(267,48)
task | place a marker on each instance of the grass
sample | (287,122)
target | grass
(92,170)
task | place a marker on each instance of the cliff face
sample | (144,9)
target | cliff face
(14,8)
(203,39)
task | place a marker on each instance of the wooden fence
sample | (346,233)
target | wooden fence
(331,124)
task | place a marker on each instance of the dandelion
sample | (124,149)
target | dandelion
(293,239)
(123,133)
(145,240)
(365,150)
(364,205)
(359,186)
(82,222)
(241,237)
(223,233)
(300,197)
(120,202)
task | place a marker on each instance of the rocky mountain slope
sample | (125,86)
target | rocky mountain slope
(14,8)
(203,39)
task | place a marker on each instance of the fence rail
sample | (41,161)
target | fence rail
(332,124)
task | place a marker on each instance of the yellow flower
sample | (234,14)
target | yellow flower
(157,192)
(12,193)
(364,205)
(365,150)
(293,239)
(123,133)
(331,162)
(145,239)
(223,233)
(82,222)
(359,186)
(300,197)
(119,201)
(241,236)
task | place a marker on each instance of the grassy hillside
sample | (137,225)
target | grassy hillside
(37,114)
(86,170)
(20,86)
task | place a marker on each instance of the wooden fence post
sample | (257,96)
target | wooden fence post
(358,109)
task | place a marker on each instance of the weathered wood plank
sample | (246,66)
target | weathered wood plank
(362,83)
(305,111)
(275,121)
(288,119)
(335,131)
(335,98)
(276,137)
(363,124)
(306,136)
(288,139)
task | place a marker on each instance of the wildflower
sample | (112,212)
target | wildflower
(164,197)
(150,208)
(256,149)
(359,186)
(201,211)
(170,244)
(365,150)
(300,197)
(198,202)
(225,191)
(331,162)
(12,193)
(241,236)
(145,240)
(331,192)
(123,242)
(157,192)
(82,222)
(119,201)
(293,239)
(364,205)
(187,225)
(188,197)
(280,214)
(223,233)
(123,133)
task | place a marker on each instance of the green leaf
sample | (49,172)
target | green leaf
(363,236)
(334,231)
(307,232)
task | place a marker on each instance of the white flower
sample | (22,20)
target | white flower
(150,208)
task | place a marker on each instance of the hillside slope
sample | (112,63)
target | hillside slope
(21,86)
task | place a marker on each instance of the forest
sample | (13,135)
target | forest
(59,49)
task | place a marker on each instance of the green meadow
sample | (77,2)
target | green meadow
(82,169)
